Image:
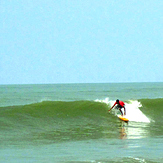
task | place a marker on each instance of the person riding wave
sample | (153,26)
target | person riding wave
(120,105)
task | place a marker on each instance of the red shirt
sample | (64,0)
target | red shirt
(120,103)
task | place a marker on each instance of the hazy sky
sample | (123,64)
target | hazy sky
(81,41)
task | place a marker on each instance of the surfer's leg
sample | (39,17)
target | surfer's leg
(121,111)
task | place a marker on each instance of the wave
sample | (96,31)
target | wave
(134,109)
(75,120)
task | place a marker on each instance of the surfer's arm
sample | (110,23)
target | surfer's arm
(111,107)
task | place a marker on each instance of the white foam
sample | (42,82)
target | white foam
(134,113)
(106,100)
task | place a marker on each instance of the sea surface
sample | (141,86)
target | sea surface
(70,123)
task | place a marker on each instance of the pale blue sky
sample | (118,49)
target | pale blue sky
(81,41)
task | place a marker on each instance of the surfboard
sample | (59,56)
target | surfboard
(123,118)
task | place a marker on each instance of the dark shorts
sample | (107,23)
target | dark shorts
(118,107)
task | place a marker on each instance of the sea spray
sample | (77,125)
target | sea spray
(134,113)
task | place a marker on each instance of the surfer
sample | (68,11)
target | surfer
(120,105)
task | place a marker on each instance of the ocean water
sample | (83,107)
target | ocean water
(70,123)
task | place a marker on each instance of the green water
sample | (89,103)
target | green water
(71,123)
